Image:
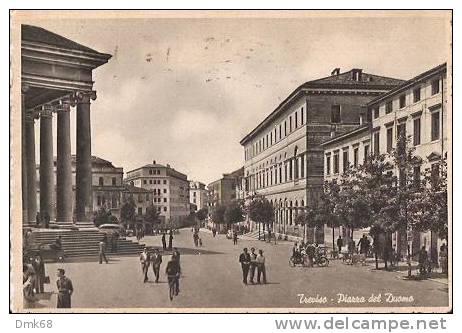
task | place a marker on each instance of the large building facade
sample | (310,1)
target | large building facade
(416,109)
(283,157)
(170,189)
(225,189)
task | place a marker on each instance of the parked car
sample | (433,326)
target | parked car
(48,252)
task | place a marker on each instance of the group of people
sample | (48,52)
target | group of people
(173,269)
(170,240)
(33,277)
(364,245)
(251,262)
(42,220)
(305,249)
(196,238)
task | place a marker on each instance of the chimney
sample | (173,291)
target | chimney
(336,71)
(153,161)
(356,74)
(168,166)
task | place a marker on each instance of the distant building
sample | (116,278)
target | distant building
(107,185)
(143,198)
(283,159)
(223,190)
(198,196)
(170,189)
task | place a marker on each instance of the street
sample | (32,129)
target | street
(212,278)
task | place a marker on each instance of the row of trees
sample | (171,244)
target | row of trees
(372,195)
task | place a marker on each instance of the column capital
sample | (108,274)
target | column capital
(46,111)
(24,88)
(31,115)
(83,97)
(64,105)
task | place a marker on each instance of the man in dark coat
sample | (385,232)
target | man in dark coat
(65,290)
(253,264)
(244,259)
(170,240)
(39,267)
(173,274)
(164,244)
(38,219)
(339,244)
(46,220)
(156,261)
(364,245)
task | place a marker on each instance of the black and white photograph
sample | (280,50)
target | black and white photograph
(252,161)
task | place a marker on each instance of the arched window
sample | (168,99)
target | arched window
(296,163)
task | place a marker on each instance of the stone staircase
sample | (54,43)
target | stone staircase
(83,243)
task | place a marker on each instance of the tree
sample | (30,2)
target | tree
(326,207)
(261,211)
(218,214)
(101,216)
(202,214)
(310,217)
(127,211)
(152,216)
(233,213)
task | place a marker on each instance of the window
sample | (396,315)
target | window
(147,196)
(290,124)
(335,114)
(290,170)
(376,143)
(336,163)
(285,171)
(271,138)
(402,101)
(114,181)
(416,131)
(435,86)
(144,181)
(302,116)
(280,132)
(366,152)
(355,157)
(328,165)
(389,139)
(416,94)
(302,166)
(389,107)
(158,209)
(345,160)
(98,200)
(296,119)
(435,125)
(101,181)
(165,190)
(376,112)
(140,198)
(285,128)
(280,173)
(165,199)
(165,181)
(401,131)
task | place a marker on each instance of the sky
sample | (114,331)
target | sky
(185,91)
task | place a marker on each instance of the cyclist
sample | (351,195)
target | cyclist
(173,274)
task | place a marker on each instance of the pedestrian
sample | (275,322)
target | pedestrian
(173,274)
(200,242)
(244,259)
(46,220)
(114,239)
(58,244)
(339,244)
(39,267)
(444,258)
(28,283)
(234,237)
(363,245)
(196,239)
(65,289)
(156,262)
(102,252)
(164,244)
(176,256)
(145,261)
(423,261)
(253,264)
(170,240)
(214,231)
(351,247)
(261,269)
(310,253)
(38,219)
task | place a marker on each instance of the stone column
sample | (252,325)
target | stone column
(83,176)
(63,166)
(46,161)
(25,219)
(30,167)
